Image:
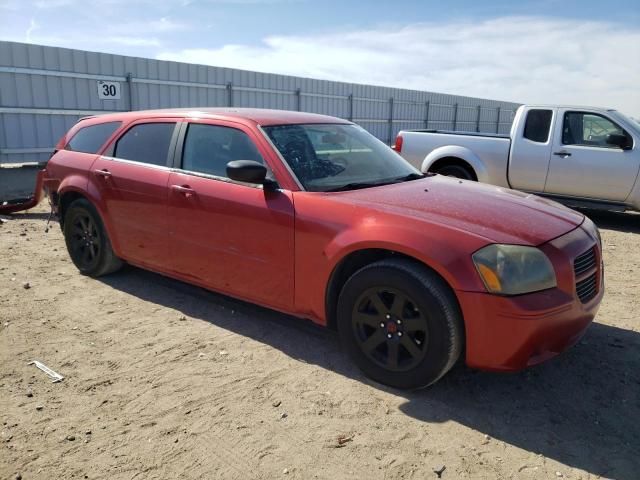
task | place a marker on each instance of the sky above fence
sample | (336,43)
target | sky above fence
(547,51)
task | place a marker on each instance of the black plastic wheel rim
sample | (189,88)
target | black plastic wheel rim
(85,240)
(390,329)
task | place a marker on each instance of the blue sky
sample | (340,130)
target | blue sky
(548,51)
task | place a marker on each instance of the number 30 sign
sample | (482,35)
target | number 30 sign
(108,90)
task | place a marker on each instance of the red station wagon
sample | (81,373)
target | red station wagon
(312,216)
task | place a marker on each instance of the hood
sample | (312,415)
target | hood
(498,214)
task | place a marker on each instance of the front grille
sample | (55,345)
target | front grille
(585,262)
(586,288)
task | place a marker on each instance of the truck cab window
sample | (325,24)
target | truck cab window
(538,125)
(589,129)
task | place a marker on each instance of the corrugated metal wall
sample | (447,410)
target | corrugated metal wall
(44,90)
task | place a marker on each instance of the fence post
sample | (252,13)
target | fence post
(130,90)
(298,99)
(390,137)
(498,121)
(455,117)
(478,119)
(426,115)
(350,97)
(229,94)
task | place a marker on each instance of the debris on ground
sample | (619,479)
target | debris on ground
(53,375)
(342,440)
(439,470)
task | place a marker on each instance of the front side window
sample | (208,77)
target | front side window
(582,128)
(146,143)
(208,149)
(90,139)
(537,126)
(327,157)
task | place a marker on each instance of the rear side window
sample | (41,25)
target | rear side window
(90,139)
(538,125)
(208,149)
(146,143)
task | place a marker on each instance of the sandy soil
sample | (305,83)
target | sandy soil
(165,380)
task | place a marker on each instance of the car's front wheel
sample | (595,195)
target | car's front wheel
(87,241)
(401,323)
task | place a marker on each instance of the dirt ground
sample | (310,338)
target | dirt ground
(164,380)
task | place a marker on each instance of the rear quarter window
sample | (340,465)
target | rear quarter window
(146,143)
(538,125)
(90,139)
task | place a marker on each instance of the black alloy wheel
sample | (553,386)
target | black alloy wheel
(390,329)
(85,241)
(400,322)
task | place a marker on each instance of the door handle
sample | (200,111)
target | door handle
(103,173)
(562,154)
(186,190)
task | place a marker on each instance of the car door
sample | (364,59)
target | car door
(583,164)
(531,150)
(233,237)
(131,179)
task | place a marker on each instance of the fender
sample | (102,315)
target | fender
(463,153)
(80,184)
(427,248)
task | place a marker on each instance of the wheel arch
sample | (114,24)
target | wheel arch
(356,259)
(446,161)
(68,192)
(456,154)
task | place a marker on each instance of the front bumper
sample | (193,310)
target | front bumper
(512,333)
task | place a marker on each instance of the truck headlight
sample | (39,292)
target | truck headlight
(514,269)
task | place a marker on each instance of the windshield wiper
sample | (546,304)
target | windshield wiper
(357,185)
(406,178)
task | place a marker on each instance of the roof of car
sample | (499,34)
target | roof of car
(259,116)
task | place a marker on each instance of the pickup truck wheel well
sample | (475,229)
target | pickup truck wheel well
(451,161)
(346,268)
(63,203)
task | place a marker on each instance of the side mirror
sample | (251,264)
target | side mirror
(621,141)
(249,171)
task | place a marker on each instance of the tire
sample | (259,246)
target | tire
(457,171)
(87,241)
(400,323)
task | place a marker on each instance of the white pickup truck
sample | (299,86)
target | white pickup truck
(584,157)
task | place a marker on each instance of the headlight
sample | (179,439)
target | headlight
(514,269)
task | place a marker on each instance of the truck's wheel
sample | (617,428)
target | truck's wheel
(87,241)
(457,171)
(401,323)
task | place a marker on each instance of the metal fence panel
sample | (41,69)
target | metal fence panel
(44,90)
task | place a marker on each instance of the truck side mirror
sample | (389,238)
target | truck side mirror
(618,140)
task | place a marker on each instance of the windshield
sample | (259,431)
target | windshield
(328,157)
(632,122)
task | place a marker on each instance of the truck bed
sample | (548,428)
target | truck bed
(455,132)
(491,150)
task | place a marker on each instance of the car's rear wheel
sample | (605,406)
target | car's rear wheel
(401,323)
(457,171)
(87,241)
